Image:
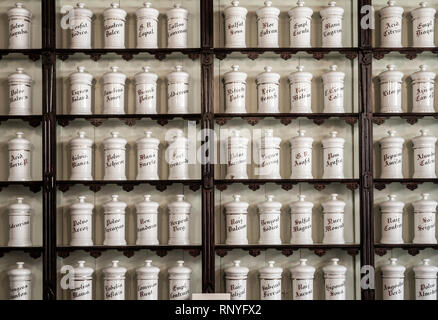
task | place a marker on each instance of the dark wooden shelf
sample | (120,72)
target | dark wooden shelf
(286,184)
(411,184)
(34,186)
(33,251)
(127,185)
(410,117)
(32,54)
(33,120)
(409,52)
(412,248)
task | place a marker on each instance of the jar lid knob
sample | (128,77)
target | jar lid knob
(19,134)
(236,197)
(180,197)
(81,134)
(80,69)
(115,197)
(301,132)
(392,133)
(147,197)
(426,262)
(235,133)
(235,3)
(114,134)
(425,196)
(303,261)
(390,67)
(236,263)
(423,67)
(300,3)
(20,265)
(180,263)
(114,5)
(271,264)
(268,68)
(392,197)
(300,67)
(81,263)
(148,133)
(335,260)
(19,70)
(268,132)
(334,196)
(270,197)
(178,67)
(333,134)
(391,3)
(332,3)
(20,200)
(19,5)
(333,67)
(301,197)
(393,260)
(423,4)
(80,5)
(114,68)
(177,5)
(115,263)
(235,67)
(424,132)
(81,199)
(268,3)
(146,69)
(148,263)
(147,4)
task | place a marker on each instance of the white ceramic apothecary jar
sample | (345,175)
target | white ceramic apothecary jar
(302,281)
(237,146)
(269,212)
(147,281)
(19,158)
(333,82)
(179,221)
(114,222)
(424,155)
(333,156)
(393,280)
(268,150)
(147,157)
(392,220)
(82,282)
(423,26)
(80,27)
(81,153)
(334,280)
(300,84)
(424,220)
(267,26)
(391,149)
(270,282)
(179,281)
(147,222)
(115,157)
(333,214)
(20,281)
(147,27)
(235,90)
(20,93)
(391,25)
(236,213)
(331,22)
(391,90)
(301,221)
(235,25)
(177,91)
(300,20)
(114,282)
(81,213)
(235,281)
(19,224)
(177,156)
(301,156)
(19,27)
(425,281)
(114,92)
(177,24)
(81,83)
(423,90)
(114,27)
(146,92)
(267,91)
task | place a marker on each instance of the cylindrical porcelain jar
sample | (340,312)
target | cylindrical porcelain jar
(423,26)
(80,24)
(114,282)
(19,158)
(147,27)
(334,280)
(424,220)
(333,150)
(114,27)
(147,281)
(333,212)
(147,157)
(235,90)
(269,221)
(425,281)
(177,22)
(114,92)
(270,282)
(235,24)
(179,221)
(302,281)
(236,213)
(424,155)
(20,93)
(237,156)
(179,281)
(80,92)
(391,156)
(300,20)
(300,84)
(114,222)
(333,82)
(81,223)
(82,282)
(391,90)
(393,280)
(391,26)
(177,91)
(392,220)
(301,221)
(268,149)
(19,224)
(235,281)
(146,92)
(20,280)
(301,156)
(423,90)
(177,156)
(19,27)
(115,157)
(331,22)
(268,91)
(147,222)
(267,26)
(81,153)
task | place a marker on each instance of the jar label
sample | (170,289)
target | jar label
(19,291)
(19,93)
(392,89)
(392,224)
(335,289)
(114,28)
(147,289)
(425,157)
(82,289)
(145,94)
(147,223)
(18,27)
(79,160)
(334,159)
(300,28)
(18,223)
(268,93)
(270,289)
(300,93)
(146,29)
(148,159)
(113,94)
(80,225)
(115,159)
(18,159)
(301,158)
(334,93)
(114,290)
(178,158)
(176,27)
(331,28)
(425,223)
(301,223)
(393,289)
(81,29)
(80,93)
(235,27)
(302,289)
(178,224)
(424,28)
(333,224)
(391,28)
(114,225)
(268,28)
(424,93)
(269,161)
(236,158)
(237,223)
(426,289)
(392,159)
(269,224)
(237,289)
(179,289)
(235,93)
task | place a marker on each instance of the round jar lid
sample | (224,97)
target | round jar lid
(19,208)
(148,142)
(302,270)
(81,76)
(147,205)
(269,205)
(423,75)
(391,10)
(236,271)
(20,271)
(300,11)
(81,141)
(178,75)
(82,205)
(424,205)
(19,10)
(425,270)
(267,140)
(114,271)
(236,206)
(331,10)
(234,75)
(180,206)
(334,270)
(114,12)
(81,11)
(237,140)
(391,205)
(148,271)
(268,11)
(424,140)
(333,205)
(19,143)
(392,140)
(333,141)
(391,74)
(19,76)
(333,75)
(145,76)
(114,76)
(81,272)
(301,141)
(301,206)
(177,12)
(114,206)
(270,272)
(300,75)
(423,11)
(179,271)
(392,269)
(147,12)
(235,10)
(114,141)
(267,76)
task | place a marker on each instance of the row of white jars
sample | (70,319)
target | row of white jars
(236,213)
(300,84)
(300,18)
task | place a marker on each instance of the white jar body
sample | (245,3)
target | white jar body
(270,228)
(302,289)
(333,97)
(235,32)
(177,32)
(301,228)
(333,163)
(269,162)
(19,32)
(178,163)
(391,162)
(424,162)
(301,162)
(114,230)
(423,29)
(236,168)
(115,164)
(147,229)
(235,97)
(332,31)
(147,164)
(391,96)
(333,228)
(80,94)
(236,288)
(82,290)
(393,288)
(146,98)
(267,94)
(19,289)
(114,98)
(81,163)
(179,289)
(177,97)
(425,289)
(423,96)
(270,289)
(300,97)
(424,227)
(179,229)
(335,289)
(392,228)
(114,289)
(114,37)
(391,31)
(299,29)
(267,31)
(236,229)
(20,98)
(147,289)
(81,229)
(147,33)
(80,35)
(19,231)
(19,165)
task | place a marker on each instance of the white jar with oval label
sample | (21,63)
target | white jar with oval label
(177,156)
(19,224)
(147,157)
(114,92)
(81,153)
(235,90)
(269,212)
(147,27)
(267,26)
(20,282)
(177,91)
(177,25)
(81,214)
(81,84)
(236,213)
(301,221)
(393,280)
(333,213)
(114,222)
(268,150)
(391,156)
(423,90)
(147,281)
(423,26)
(333,82)
(179,221)
(424,155)
(392,220)
(20,21)
(334,280)
(425,281)
(147,221)
(115,157)
(331,22)
(235,281)
(300,21)
(82,282)
(19,158)
(391,25)
(235,24)
(114,27)
(391,90)
(301,156)
(333,156)
(146,92)
(302,281)
(270,282)
(300,84)
(237,146)
(80,26)
(179,281)
(114,282)
(424,220)
(20,93)
(268,91)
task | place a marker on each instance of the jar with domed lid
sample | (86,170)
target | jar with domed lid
(333,82)
(268,91)
(19,158)
(81,83)
(20,93)
(81,153)
(146,92)
(20,20)
(300,84)
(114,222)
(147,222)
(115,157)
(114,282)
(235,281)
(302,281)
(236,213)
(391,90)
(179,281)
(19,224)
(391,18)
(393,280)
(425,281)
(301,156)
(423,90)
(177,22)
(424,155)
(235,90)
(147,281)
(267,26)
(114,27)
(333,156)
(147,157)
(391,156)
(270,282)
(81,213)
(333,212)
(269,212)
(80,26)
(424,220)
(300,21)
(268,150)
(331,22)
(177,156)
(423,26)
(392,220)
(82,282)
(179,221)
(114,91)
(301,221)
(237,147)
(177,91)
(235,23)
(147,27)
(334,280)
(20,281)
